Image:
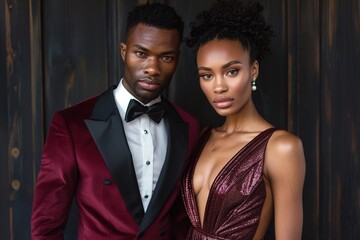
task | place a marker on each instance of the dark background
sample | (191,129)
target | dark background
(55,53)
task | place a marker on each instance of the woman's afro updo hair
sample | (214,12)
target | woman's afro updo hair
(233,20)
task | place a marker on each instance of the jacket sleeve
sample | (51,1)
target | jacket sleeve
(56,183)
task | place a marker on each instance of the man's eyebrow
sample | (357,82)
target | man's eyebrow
(141,47)
(170,52)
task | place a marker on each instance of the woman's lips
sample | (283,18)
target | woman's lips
(223,102)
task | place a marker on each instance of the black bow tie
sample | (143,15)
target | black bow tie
(135,109)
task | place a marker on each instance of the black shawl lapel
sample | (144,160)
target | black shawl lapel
(106,128)
(175,158)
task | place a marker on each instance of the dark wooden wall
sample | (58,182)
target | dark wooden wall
(54,53)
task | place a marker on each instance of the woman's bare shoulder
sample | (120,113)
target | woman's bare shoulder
(284,142)
(284,152)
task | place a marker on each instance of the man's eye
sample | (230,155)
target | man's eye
(167,59)
(140,54)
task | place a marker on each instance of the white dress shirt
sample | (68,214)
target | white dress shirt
(147,142)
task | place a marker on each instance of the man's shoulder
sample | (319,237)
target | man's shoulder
(192,122)
(87,105)
(183,113)
(83,107)
(187,117)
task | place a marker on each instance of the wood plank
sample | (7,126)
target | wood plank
(75,52)
(304,99)
(23,122)
(340,146)
(4,129)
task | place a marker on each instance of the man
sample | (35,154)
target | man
(123,167)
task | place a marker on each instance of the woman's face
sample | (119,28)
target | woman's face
(225,75)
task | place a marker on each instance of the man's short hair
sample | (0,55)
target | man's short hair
(157,15)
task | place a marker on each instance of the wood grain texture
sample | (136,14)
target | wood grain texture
(21,115)
(339,159)
(304,99)
(75,52)
(4,129)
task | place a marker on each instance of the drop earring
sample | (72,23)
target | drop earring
(253,85)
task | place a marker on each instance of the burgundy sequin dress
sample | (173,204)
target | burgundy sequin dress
(236,196)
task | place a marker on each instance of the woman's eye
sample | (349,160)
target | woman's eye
(232,72)
(205,76)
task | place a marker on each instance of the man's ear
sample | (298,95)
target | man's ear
(123,50)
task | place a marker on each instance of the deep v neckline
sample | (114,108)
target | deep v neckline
(207,135)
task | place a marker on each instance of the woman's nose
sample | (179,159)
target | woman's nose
(220,85)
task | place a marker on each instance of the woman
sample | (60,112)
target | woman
(244,172)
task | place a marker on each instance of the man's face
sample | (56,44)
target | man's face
(150,55)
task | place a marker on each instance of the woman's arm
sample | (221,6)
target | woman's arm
(285,166)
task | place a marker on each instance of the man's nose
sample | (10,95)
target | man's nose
(152,67)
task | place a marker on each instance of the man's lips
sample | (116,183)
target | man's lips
(149,84)
(223,102)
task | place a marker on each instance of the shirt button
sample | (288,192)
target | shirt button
(162,232)
(146,131)
(106,181)
(146,196)
(147,162)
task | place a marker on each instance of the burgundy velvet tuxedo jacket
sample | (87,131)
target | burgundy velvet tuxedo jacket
(86,155)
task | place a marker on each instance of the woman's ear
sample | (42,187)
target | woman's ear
(254,69)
